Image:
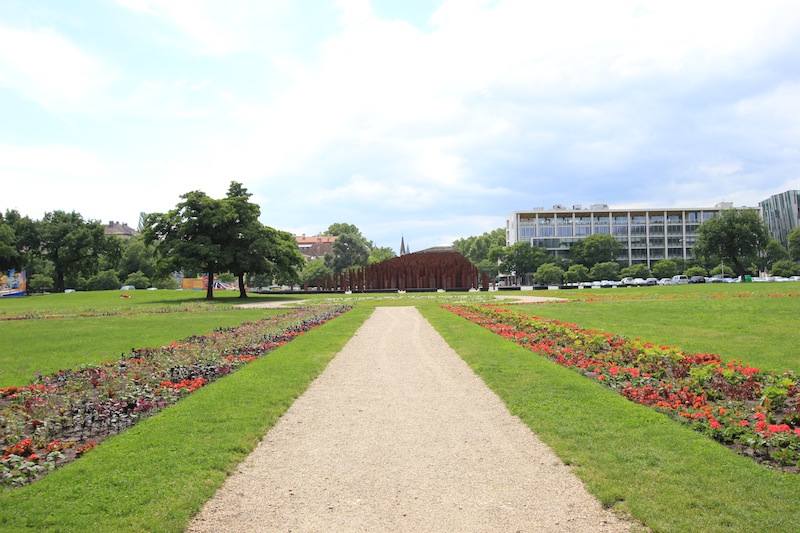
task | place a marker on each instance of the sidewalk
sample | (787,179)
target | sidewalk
(398,434)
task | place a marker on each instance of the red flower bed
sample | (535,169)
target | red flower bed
(62,416)
(755,413)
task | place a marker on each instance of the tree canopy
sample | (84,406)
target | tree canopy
(70,243)
(735,235)
(203,234)
(594,249)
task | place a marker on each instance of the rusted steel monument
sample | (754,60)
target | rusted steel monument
(418,271)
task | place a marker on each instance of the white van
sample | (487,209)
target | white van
(680,279)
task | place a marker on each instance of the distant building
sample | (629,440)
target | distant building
(781,213)
(316,246)
(647,235)
(120,229)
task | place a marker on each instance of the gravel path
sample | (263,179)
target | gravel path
(398,434)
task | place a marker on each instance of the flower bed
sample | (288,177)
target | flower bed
(755,413)
(59,417)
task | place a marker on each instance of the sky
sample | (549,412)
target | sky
(430,120)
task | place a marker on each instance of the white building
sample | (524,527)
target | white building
(781,212)
(647,235)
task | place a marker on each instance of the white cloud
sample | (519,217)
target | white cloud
(217,28)
(47,67)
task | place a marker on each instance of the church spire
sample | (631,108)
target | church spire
(402,246)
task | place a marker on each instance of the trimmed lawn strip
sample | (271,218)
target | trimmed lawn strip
(105,302)
(56,344)
(157,475)
(759,330)
(631,458)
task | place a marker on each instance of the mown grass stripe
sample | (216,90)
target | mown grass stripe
(630,457)
(157,475)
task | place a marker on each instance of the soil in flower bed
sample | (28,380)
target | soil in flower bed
(754,413)
(59,417)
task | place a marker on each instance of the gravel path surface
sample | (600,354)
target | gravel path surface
(398,434)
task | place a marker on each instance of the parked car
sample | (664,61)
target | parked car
(680,279)
(697,279)
(651,281)
(626,282)
(665,281)
(127,288)
(639,282)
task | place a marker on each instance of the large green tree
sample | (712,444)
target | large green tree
(594,249)
(735,235)
(193,236)
(249,246)
(71,244)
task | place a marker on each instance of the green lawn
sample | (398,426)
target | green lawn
(756,323)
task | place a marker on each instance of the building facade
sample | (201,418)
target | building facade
(781,213)
(647,235)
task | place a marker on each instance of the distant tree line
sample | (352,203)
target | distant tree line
(202,235)
(350,250)
(736,240)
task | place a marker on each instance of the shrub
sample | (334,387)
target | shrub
(576,273)
(785,268)
(104,281)
(608,270)
(636,271)
(696,271)
(40,283)
(666,268)
(138,280)
(549,274)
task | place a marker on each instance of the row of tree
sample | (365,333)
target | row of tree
(220,238)
(62,249)
(201,235)
(739,239)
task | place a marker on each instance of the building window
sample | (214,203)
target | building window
(638,219)
(546,231)
(564,231)
(621,220)
(620,230)
(583,230)
(674,219)
(656,219)
(601,230)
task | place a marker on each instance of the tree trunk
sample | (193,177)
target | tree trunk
(242,292)
(59,281)
(210,289)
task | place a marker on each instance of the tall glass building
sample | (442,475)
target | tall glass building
(781,212)
(647,235)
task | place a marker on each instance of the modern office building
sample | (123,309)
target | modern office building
(647,235)
(781,212)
